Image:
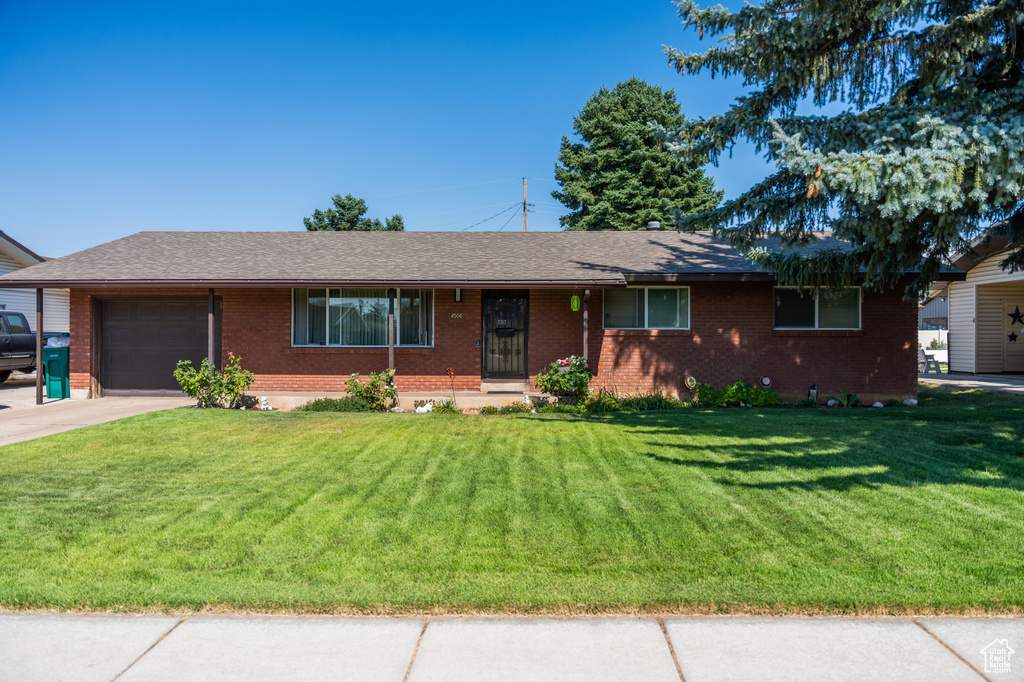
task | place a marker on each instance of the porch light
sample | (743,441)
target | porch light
(458,295)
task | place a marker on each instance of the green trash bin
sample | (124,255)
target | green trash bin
(58,372)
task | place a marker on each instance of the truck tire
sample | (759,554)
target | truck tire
(5,375)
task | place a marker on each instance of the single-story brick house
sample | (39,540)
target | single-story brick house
(307,309)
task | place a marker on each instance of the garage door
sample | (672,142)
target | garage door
(142,341)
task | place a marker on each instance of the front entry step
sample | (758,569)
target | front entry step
(492,386)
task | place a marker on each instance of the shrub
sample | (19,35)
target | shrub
(806,402)
(211,388)
(446,406)
(559,408)
(516,408)
(378,391)
(490,409)
(706,395)
(937,344)
(350,403)
(655,400)
(569,376)
(847,399)
(601,402)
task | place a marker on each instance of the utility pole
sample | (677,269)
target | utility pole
(524,204)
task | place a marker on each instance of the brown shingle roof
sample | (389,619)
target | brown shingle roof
(396,258)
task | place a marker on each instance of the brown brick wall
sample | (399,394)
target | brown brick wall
(731,338)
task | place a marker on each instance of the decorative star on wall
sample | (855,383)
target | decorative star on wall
(1013,337)
(1017,317)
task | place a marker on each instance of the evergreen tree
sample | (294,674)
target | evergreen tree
(347,215)
(619,177)
(929,155)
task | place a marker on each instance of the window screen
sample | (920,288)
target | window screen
(623,308)
(668,308)
(839,310)
(359,317)
(793,310)
(824,310)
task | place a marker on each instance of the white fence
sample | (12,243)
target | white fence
(925,338)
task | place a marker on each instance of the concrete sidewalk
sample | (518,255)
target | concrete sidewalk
(20,424)
(694,649)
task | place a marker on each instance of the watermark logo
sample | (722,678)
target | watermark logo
(997,656)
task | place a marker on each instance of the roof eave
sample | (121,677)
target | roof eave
(282,284)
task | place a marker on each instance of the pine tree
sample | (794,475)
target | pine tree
(347,215)
(619,177)
(928,156)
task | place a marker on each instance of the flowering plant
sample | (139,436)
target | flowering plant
(566,377)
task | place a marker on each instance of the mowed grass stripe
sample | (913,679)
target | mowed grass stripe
(897,509)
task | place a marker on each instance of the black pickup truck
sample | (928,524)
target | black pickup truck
(17,345)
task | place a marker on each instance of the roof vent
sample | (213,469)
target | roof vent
(654,225)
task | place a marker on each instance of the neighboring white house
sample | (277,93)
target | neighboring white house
(14,256)
(986,313)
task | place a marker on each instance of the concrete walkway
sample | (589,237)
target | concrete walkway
(1010,383)
(19,423)
(695,649)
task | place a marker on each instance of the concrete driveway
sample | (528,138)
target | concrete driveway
(21,419)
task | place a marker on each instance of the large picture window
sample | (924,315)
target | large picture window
(804,309)
(647,308)
(359,317)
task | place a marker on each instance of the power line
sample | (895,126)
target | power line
(513,206)
(458,210)
(438,189)
(508,221)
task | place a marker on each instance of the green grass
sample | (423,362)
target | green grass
(782,510)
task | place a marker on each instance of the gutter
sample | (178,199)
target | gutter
(305,283)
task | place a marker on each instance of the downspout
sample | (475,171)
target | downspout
(40,368)
(586,324)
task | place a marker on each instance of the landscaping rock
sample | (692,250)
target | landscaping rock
(832,402)
(909,402)
(877,405)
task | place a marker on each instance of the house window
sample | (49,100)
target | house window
(803,309)
(647,308)
(359,317)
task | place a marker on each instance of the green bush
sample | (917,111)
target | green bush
(350,403)
(211,388)
(516,408)
(569,377)
(378,391)
(559,408)
(655,400)
(601,402)
(806,402)
(847,399)
(706,395)
(446,406)
(490,409)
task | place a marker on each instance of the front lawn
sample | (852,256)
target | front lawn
(898,509)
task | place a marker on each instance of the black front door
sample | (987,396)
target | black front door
(505,320)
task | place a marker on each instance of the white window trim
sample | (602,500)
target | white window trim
(860,313)
(689,321)
(398,321)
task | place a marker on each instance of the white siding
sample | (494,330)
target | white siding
(990,323)
(976,317)
(961,326)
(56,302)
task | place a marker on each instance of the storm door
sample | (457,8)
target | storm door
(505,321)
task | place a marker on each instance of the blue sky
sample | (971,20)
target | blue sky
(247,116)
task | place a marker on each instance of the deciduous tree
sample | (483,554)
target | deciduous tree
(347,215)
